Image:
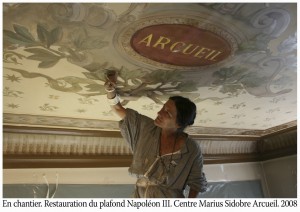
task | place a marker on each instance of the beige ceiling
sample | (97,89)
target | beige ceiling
(55,57)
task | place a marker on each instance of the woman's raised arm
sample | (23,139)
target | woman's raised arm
(113,97)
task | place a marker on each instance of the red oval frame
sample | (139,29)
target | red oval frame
(171,43)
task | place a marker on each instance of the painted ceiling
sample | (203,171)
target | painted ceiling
(56,56)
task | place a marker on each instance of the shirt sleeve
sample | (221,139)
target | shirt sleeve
(129,127)
(132,126)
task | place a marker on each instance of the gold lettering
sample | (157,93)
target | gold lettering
(186,49)
(213,58)
(211,53)
(175,44)
(161,43)
(147,40)
(201,51)
(178,46)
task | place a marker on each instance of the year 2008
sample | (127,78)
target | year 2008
(288,203)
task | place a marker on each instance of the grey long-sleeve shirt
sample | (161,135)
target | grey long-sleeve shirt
(166,175)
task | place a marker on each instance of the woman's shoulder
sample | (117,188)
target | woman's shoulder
(193,144)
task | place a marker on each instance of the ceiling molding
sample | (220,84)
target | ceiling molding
(230,158)
(24,149)
(42,161)
(50,161)
(277,145)
(60,131)
(30,124)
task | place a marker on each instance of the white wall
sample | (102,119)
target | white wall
(281,177)
(236,172)
(68,176)
(278,177)
(214,173)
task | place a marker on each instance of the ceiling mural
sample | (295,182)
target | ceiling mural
(236,61)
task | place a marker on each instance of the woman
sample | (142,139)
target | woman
(165,159)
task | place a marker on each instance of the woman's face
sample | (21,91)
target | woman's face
(166,117)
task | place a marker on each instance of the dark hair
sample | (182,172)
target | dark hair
(186,111)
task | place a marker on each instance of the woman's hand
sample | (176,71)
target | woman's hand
(110,87)
(111,84)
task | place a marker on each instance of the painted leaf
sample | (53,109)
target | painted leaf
(90,75)
(162,76)
(23,31)
(54,36)
(15,38)
(127,75)
(42,33)
(48,64)
(47,58)
(96,75)
(47,37)
(95,88)
(231,88)
(41,54)
(77,80)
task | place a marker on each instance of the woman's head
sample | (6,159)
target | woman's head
(186,111)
